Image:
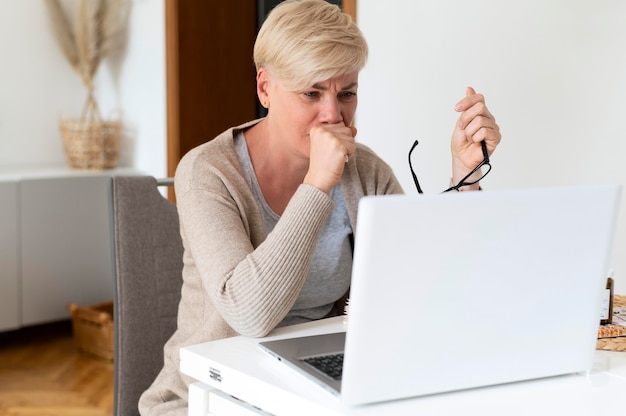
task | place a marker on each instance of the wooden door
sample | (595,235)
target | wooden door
(210,72)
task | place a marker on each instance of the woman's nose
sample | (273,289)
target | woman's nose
(330,112)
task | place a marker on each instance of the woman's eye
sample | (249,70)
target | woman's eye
(347,95)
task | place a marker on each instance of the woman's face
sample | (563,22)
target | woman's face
(292,114)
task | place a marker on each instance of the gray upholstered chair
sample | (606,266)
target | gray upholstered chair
(147,253)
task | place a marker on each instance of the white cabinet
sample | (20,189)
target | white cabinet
(9,256)
(66,248)
(55,245)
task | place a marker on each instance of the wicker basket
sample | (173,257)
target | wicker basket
(91,144)
(615,343)
(93,329)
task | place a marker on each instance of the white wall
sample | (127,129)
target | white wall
(37,86)
(553,72)
(135,83)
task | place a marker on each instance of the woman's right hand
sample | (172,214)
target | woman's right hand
(331,145)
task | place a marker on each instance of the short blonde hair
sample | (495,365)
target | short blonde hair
(303,42)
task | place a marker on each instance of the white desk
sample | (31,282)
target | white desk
(237,366)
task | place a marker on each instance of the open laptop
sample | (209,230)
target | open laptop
(464,290)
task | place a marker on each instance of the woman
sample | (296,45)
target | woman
(267,209)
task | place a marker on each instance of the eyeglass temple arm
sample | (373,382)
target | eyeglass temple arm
(417,184)
(483,145)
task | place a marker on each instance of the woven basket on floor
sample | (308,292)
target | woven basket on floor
(93,329)
(91,144)
(616,343)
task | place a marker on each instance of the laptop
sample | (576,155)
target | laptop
(464,290)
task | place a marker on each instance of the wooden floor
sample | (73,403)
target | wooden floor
(42,373)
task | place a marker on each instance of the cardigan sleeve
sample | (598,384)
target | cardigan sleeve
(252,286)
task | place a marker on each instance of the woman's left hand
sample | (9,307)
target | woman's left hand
(475,124)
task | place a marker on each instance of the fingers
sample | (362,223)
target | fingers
(353,130)
(331,147)
(481,128)
(341,137)
(471,107)
(471,98)
(476,121)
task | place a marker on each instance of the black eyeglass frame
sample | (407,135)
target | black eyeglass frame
(462,182)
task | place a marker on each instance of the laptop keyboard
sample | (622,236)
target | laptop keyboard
(331,365)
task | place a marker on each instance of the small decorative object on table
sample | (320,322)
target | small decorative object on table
(612,337)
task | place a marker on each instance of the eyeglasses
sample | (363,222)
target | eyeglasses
(462,182)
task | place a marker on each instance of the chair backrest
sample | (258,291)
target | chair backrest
(147,254)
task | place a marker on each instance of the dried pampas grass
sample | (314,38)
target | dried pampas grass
(87,31)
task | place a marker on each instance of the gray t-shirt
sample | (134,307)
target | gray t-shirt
(331,267)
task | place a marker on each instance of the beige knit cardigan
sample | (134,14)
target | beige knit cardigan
(236,281)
